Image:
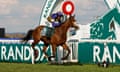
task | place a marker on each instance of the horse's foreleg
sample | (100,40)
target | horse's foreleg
(66,48)
(54,50)
(44,50)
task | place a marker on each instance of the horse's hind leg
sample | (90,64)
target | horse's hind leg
(33,46)
(53,51)
(36,38)
(44,50)
(65,47)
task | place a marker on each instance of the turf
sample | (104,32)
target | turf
(20,67)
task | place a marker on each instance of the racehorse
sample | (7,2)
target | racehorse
(58,38)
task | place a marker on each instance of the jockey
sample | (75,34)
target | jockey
(55,19)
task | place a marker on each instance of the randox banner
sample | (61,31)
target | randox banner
(21,53)
(93,52)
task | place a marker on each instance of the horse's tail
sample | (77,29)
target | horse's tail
(28,36)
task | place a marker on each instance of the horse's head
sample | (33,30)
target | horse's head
(73,22)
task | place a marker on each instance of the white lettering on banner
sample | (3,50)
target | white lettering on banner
(19,53)
(96,52)
(3,52)
(11,53)
(115,52)
(43,55)
(37,48)
(48,8)
(106,54)
(27,57)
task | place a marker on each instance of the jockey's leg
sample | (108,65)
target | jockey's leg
(66,48)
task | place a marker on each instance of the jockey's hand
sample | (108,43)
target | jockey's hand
(49,19)
(52,20)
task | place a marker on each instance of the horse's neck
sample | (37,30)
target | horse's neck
(63,28)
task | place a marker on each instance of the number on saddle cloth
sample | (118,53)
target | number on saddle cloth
(47,31)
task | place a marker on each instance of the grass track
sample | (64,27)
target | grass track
(20,67)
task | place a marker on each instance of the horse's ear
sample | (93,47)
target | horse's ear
(74,15)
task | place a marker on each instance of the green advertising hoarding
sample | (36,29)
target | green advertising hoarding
(88,52)
(21,53)
(93,52)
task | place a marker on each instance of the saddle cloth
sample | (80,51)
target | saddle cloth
(47,31)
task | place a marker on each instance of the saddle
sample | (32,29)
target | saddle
(47,31)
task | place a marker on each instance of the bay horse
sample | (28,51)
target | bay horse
(58,38)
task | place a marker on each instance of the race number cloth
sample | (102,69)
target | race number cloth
(47,31)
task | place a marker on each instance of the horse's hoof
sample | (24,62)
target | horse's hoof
(64,58)
(50,58)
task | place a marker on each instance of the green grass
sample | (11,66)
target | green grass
(20,67)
